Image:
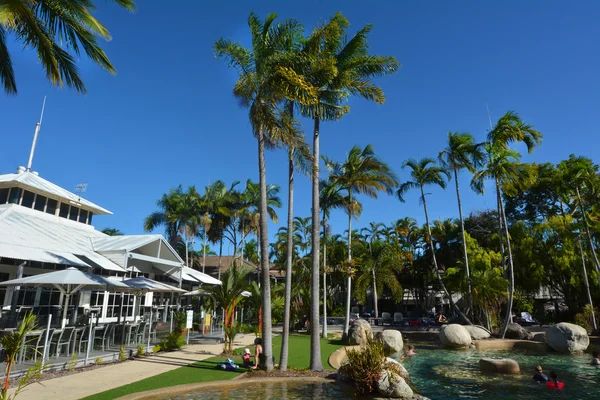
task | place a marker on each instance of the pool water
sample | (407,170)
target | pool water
(454,374)
(270,390)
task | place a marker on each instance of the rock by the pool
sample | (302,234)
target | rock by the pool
(397,364)
(359,333)
(392,341)
(499,365)
(539,337)
(455,336)
(478,332)
(392,385)
(516,331)
(567,338)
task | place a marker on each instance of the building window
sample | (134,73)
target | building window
(51,206)
(28,198)
(90,218)
(15,195)
(74,213)
(97,299)
(40,202)
(64,210)
(83,216)
(114,305)
(4,195)
(4,277)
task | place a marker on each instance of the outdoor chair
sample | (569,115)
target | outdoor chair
(84,339)
(140,335)
(398,318)
(386,318)
(38,349)
(63,339)
(105,339)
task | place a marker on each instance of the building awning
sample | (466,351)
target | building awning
(188,274)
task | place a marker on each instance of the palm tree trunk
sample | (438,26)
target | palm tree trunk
(267,338)
(283,359)
(587,283)
(324,333)
(500,234)
(464,238)
(204,255)
(375,306)
(437,270)
(589,235)
(220,255)
(349,283)
(315,341)
(511,290)
(192,254)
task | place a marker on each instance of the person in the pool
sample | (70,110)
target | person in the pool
(540,376)
(554,384)
(596,358)
(410,352)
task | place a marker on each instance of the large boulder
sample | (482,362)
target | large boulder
(478,332)
(499,366)
(393,385)
(359,333)
(455,336)
(567,338)
(399,366)
(516,331)
(539,337)
(392,341)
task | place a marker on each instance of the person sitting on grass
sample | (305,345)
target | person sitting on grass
(258,353)
(539,375)
(555,384)
(596,358)
(247,359)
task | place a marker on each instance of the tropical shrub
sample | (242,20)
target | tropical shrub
(141,350)
(174,341)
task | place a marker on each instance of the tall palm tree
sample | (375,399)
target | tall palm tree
(461,153)
(361,173)
(112,232)
(338,68)
(503,167)
(330,198)
(510,128)
(425,173)
(56,31)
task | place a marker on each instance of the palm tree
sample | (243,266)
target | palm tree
(330,198)
(503,166)
(361,173)
(261,85)
(425,173)
(338,68)
(112,232)
(510,128)
(228,294)
(56,31)
(380,262)
(461,153)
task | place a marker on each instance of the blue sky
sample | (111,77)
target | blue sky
(168,117)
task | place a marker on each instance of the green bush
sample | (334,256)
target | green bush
(365,365)
(174,341)
(248,328)
(584,319)
(141,350)
(122,355)
(338,311)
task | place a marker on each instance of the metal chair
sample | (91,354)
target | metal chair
(106,336)
(386,318)
(398,318)
(39,345)
(140,335)
(84,339)
(64,339)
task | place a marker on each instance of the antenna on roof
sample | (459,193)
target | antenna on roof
(80,188)
(35,135)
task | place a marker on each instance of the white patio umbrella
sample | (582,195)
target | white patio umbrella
(142,285)
(69,281)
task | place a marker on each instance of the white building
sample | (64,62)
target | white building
(44,227)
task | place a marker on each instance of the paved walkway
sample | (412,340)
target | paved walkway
(79,385)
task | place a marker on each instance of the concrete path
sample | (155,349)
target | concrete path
(79,385)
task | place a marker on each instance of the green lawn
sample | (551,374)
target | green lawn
(206,371)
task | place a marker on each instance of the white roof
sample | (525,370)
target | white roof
(31,180)
(27,234)
(148,285)
(123,243)
(188,274)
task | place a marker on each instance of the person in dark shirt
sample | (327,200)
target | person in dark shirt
(540,376)
(596,358)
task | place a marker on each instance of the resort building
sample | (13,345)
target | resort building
(44,227)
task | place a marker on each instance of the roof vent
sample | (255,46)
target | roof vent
(20,170)
(35,173)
